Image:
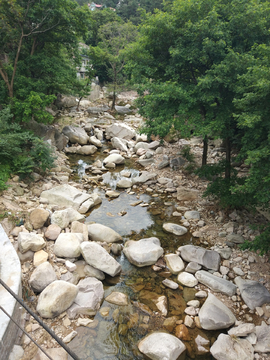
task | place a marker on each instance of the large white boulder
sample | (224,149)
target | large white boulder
(56,298)
(232,348)
(208,258)
(96,256)
(174,229)
(121,131)
(76,134)
(114,159)
(42,276)
(30,241)
(120,144)
(174,263)
(68,245)
(143,252)
(216,283)
(63,218)
(99,232)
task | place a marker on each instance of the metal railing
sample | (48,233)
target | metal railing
(20,301)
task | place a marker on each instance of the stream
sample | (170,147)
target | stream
(116,330)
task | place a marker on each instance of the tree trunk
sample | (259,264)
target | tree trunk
(114,92)
(205,150)
(228,159)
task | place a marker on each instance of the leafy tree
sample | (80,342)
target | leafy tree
(114,37)
(130,9)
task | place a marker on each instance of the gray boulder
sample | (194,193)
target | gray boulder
(124,184)
(76,134)
(115,159)
(86,150)
(207,258)
(229,348)
(193,267)
(145,176)
(122,109)
(161,346)
(97,109)
(174,263)
(56,298)
(235,238)
(93,272)
(253,293)
(174,229)
(216,283)
(263,338)
(145,162)
(143,252)
(30,241)
(96,256)
(94,141)
(141,145)
(214,315)
(120,144)
(99,232)
(121,131)
(88,299)
(192,215)
(184,194)
(67,245)
(242,330)
(42,276)
(63,218)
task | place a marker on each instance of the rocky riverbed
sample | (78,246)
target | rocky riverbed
(122,257)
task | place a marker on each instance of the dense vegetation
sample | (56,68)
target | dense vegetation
(202,68)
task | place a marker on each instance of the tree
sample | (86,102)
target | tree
(130,9)
(114,37)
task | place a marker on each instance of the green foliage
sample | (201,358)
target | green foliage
(4,176)
(187,154)
(261,242)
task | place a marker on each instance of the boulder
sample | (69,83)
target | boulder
(94,141)
(120,144)
(161,346)
(67,245)
(42,276)
(99,232)
(235,238)
(86,150)
(121,131)
(253,293)
(141,145)
(63,218)
(97,109)
(88,299)
(52,232)
(56,298)
(214,315)
(192,215)
(38,217)
(229,348)
(174,263)
(174,229)
(202,345)
(263,338)
(145,176)
(112,194)
(76,134)
(184,194)
(124,184)
(143,252)
(30,241)
(122,109)
(207,258)
(193,267)
(65,195)
(115,159)
(154,145)
(216,283)
(145,162)
(93,272)
(80,228)
(242,330)
(187,279)
(117,298)
(40,257)
(96,256)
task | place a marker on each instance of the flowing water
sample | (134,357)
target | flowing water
(116,330)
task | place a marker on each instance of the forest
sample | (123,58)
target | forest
(201,68)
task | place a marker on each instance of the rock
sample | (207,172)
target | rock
(161,346)
(187,279)
(228,348)
(170,284)
(235,238)
(40,257)
(238,271)
(56,298)
(38,217)
(42,276)
(122,109)
(98,232)
(202,345)
(143,252)
(54,353)
(121,131)
(164,163)
(242,330)
(214,315)
(145,176)
(52,232)
(115,159)
(263,338)
(67,245)
(30,241)
(224,253)
(189,322)
(63,218)
(70,336)
(16,353)
(192,215)
(207,258)
(97,109)
(253,293)
(145,162)
(65,195)
(76,134)
(120,144)
(124,184)
(117,298)
(79,228)
(201,294)
(193,267)
(162,305)
(87,150)
(141,145)
(174,263)
(96,256)
(94,141)
(93,272)
(174,229)
(88,299)
(112,194)
(182,332)
(184,194)
(154,145)
(216,283)
(116,249)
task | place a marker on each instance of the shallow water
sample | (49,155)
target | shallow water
(116,332)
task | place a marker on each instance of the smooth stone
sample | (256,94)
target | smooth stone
(174,263)
(38,217)
(112,194)
(242,330)
(40,257)
(193,267)
(52,232)
(79,228)
(187,279)
(214,315)
(96,256)
(68,245)
(120,144)
(115,159)
(170,284)
(238,271)
(207,258)
(86,150)
(124,184)
(228,348)
(174,229)
(117,298)
(216,283)
(94,141)
(42,276)
(145,162)
(56,298)
(99,232)
(30,241)
(192,215)
(161,346)
(201,294)
(253,293)
(143,252)
(263,338)
(16,353)
(141,145)
(194,303)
